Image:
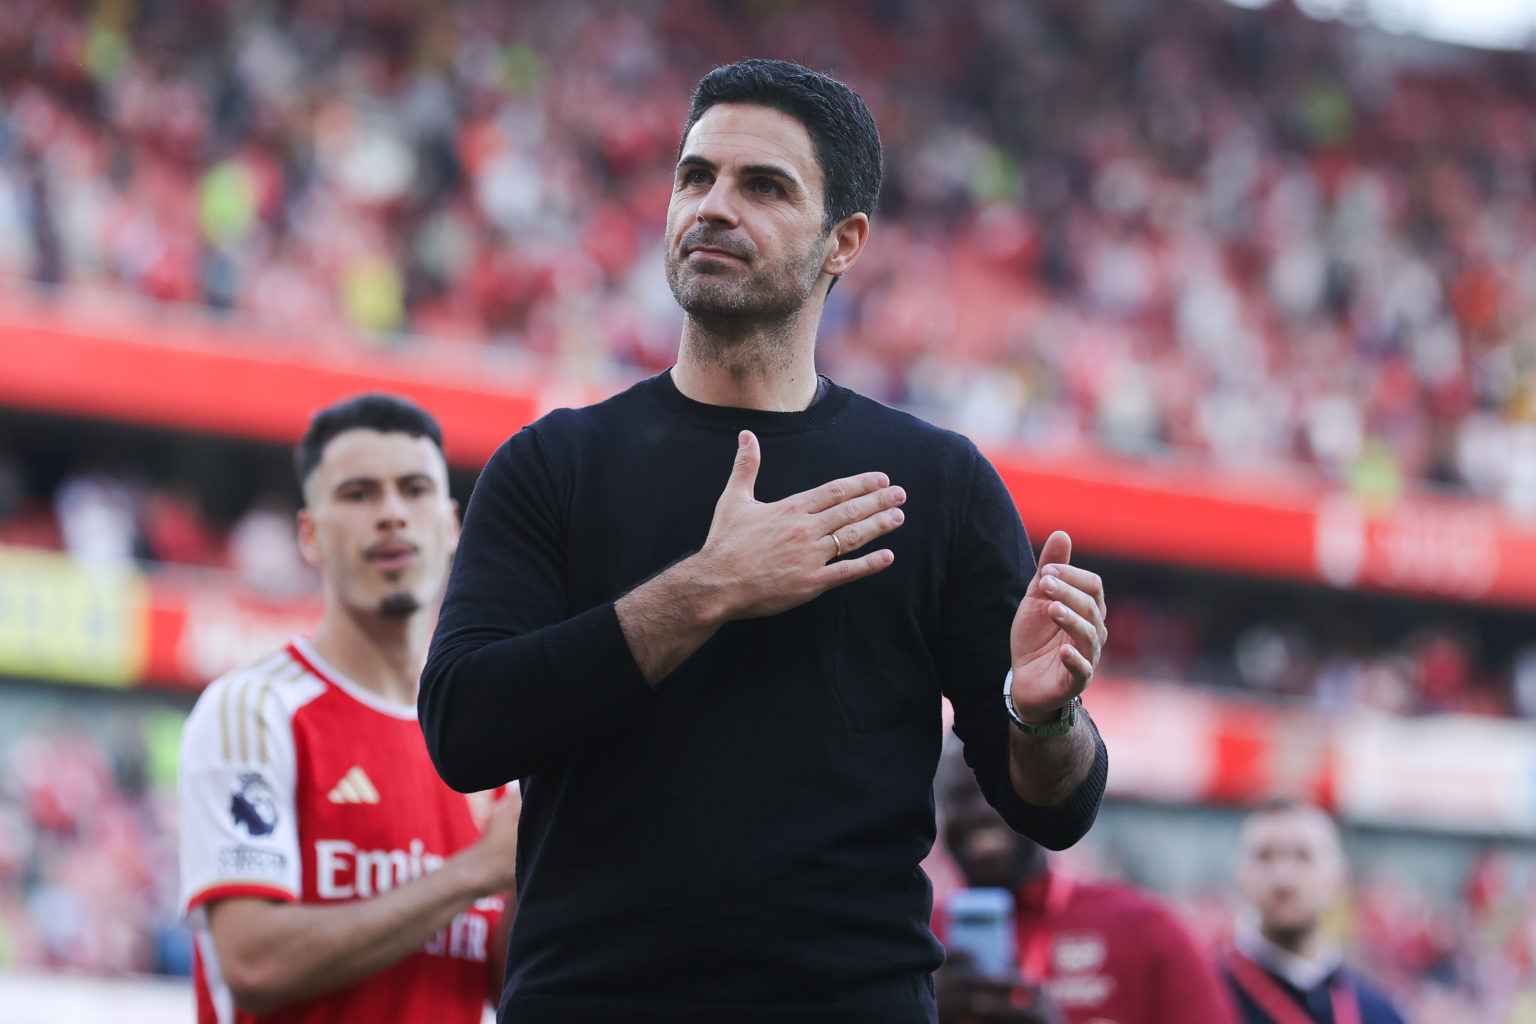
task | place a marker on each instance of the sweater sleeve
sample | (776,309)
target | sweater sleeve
(515,678)
(990,566)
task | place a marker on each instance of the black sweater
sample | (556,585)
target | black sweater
(743,841)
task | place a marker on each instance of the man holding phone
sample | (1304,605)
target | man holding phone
(1081,951)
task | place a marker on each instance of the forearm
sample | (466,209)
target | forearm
(1045,770)
(669,617)
(275,954)
(1055,784)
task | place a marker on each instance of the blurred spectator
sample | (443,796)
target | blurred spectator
(97,519)
(1091,950)
(1285,966)
(263,550)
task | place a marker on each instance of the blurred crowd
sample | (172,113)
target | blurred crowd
(1335,656)
(88,848)
(118,516)
(1148,227)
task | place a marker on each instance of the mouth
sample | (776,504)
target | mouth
(710,252)
(391,556)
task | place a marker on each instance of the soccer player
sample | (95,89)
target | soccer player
(328,872)
(1284,970)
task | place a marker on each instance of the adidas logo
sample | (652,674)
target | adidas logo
(355,787)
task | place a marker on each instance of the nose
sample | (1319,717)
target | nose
(391,509)
(716,207)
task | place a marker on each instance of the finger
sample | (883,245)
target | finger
(1082,579)
(856,509)
(1083,634)
(819,499)
(1057,549)
(1079,667)
(846,570)
(855,535)
(1079,601)
(744,470)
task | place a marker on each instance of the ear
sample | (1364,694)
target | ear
(309,542)
(845,244)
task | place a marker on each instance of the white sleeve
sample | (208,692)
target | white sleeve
(239,829)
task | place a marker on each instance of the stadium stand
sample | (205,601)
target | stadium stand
(1259,293)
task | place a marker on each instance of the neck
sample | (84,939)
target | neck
(1303,942)
(771,367)
(383,655)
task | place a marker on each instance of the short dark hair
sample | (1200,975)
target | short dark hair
(376,410)
(841,128)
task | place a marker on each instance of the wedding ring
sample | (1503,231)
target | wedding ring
(838,544)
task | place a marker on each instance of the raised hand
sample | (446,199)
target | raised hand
(759,559)
(773,556)
(1058,633)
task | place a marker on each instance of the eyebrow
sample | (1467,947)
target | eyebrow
(373,481)
(758,170)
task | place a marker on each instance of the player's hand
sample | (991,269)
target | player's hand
(1058,633)
(495,852)
(774,556)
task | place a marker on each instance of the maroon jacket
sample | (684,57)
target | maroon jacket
(1109,954)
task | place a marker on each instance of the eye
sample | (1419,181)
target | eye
(766,187)
(416,489)
(353,494)
(695,176)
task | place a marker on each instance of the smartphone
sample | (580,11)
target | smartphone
(981,923)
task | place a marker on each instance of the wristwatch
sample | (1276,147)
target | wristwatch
(1060,727)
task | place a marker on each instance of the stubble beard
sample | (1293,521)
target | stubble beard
(400,605)
(737,306)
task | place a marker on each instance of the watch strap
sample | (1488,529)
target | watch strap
(1060,727)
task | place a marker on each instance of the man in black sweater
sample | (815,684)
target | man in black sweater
(669,618)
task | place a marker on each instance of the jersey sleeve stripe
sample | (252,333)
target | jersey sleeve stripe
(261,722)
(224,721)
(225,890)
(242,713)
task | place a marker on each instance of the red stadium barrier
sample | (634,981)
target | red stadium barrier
(188,375)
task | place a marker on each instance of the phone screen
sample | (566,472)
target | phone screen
(981,924)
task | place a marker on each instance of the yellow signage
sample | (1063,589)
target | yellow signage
(66,621)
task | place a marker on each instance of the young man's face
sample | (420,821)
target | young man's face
(744,239)
(379,523)
(1292,869)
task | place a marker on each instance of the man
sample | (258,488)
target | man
(1283,970)
(1100,953)
(329,873)
(722,695)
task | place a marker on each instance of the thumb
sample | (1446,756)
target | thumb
(744,471)
(1056,550)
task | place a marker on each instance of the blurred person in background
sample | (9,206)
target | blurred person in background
(329,873)
(1088,952)
(1284,969)
(664,616)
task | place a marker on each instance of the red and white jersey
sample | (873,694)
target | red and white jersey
(299,785)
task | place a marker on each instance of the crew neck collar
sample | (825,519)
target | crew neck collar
(305,652)
(831,399)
